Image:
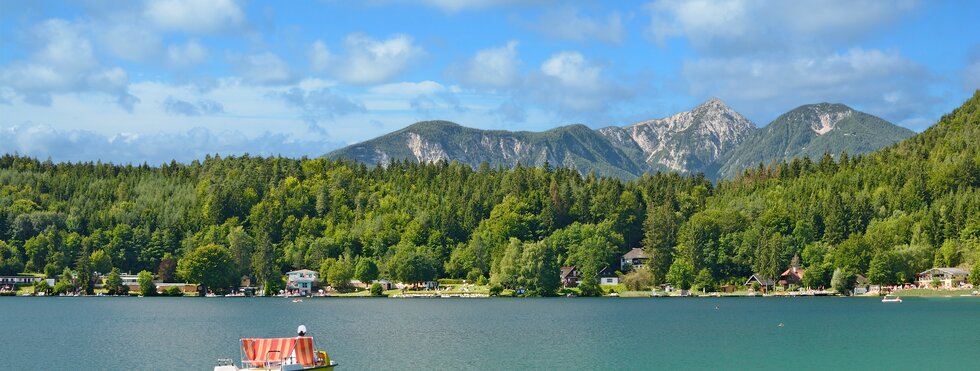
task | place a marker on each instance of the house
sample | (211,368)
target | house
(11,282)
(635,258)
(946,278)
(764,282)
(860,285)
(302,281)
(129,280)
(570,276)
(430,285)
(607,276)
(385,284)
(245,281)
(792,276)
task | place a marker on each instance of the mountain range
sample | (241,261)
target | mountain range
(712,138)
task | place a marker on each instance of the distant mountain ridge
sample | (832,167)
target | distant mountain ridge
(712,138)
(812,130)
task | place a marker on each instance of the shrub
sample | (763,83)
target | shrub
(704,281)
(474,275)
(173,291)
(42,286)
(63,287)
(638,279)
(450,281)
(495,290)
(975,275)
(376,289)
(482,281)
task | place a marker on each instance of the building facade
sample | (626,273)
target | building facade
(634,259)
(946,278)
(302,281)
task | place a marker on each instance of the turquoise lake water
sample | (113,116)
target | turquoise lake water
(498,334)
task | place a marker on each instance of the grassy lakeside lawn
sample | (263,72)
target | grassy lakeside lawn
(931,293)
(454,289)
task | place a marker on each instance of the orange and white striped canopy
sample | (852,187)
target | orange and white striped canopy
(259,351)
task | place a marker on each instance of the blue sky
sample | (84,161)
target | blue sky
(151,81)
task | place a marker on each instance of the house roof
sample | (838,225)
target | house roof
(607,272)
(762,280)
(860,279)
(307,271)
(952,271)
(793,271)
(636,253)
(568,271)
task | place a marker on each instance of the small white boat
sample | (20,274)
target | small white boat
(888,299)
(281,354)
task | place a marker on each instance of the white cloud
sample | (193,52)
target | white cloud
(43,141)
(572,70)
(409,88)
(194,16)
(371,61)
(493,68)
(573,86)
(127,39)
(188,54)
(567,24)
(883,83)
(64,62)
(741,26)
(319,56)
(453,6)
(319,105)
(426,104)
(262,68)
(185,108)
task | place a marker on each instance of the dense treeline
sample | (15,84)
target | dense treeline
(886,215)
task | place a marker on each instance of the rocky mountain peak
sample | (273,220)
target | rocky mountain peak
(823,117)
(712,103)
(687,141)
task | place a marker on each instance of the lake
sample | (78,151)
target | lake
(101,333)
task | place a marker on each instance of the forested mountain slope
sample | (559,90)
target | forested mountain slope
(886,214)
(812,130)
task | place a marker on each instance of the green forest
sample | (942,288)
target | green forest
(885,215)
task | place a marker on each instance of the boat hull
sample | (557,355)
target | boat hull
(284,368)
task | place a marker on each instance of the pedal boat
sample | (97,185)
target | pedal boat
(279,354)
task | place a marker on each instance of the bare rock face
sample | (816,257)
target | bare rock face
(827,118)
(687,141)
(424,150)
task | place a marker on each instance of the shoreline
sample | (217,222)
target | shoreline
(908,293)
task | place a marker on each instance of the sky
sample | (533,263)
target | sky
(135,81)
